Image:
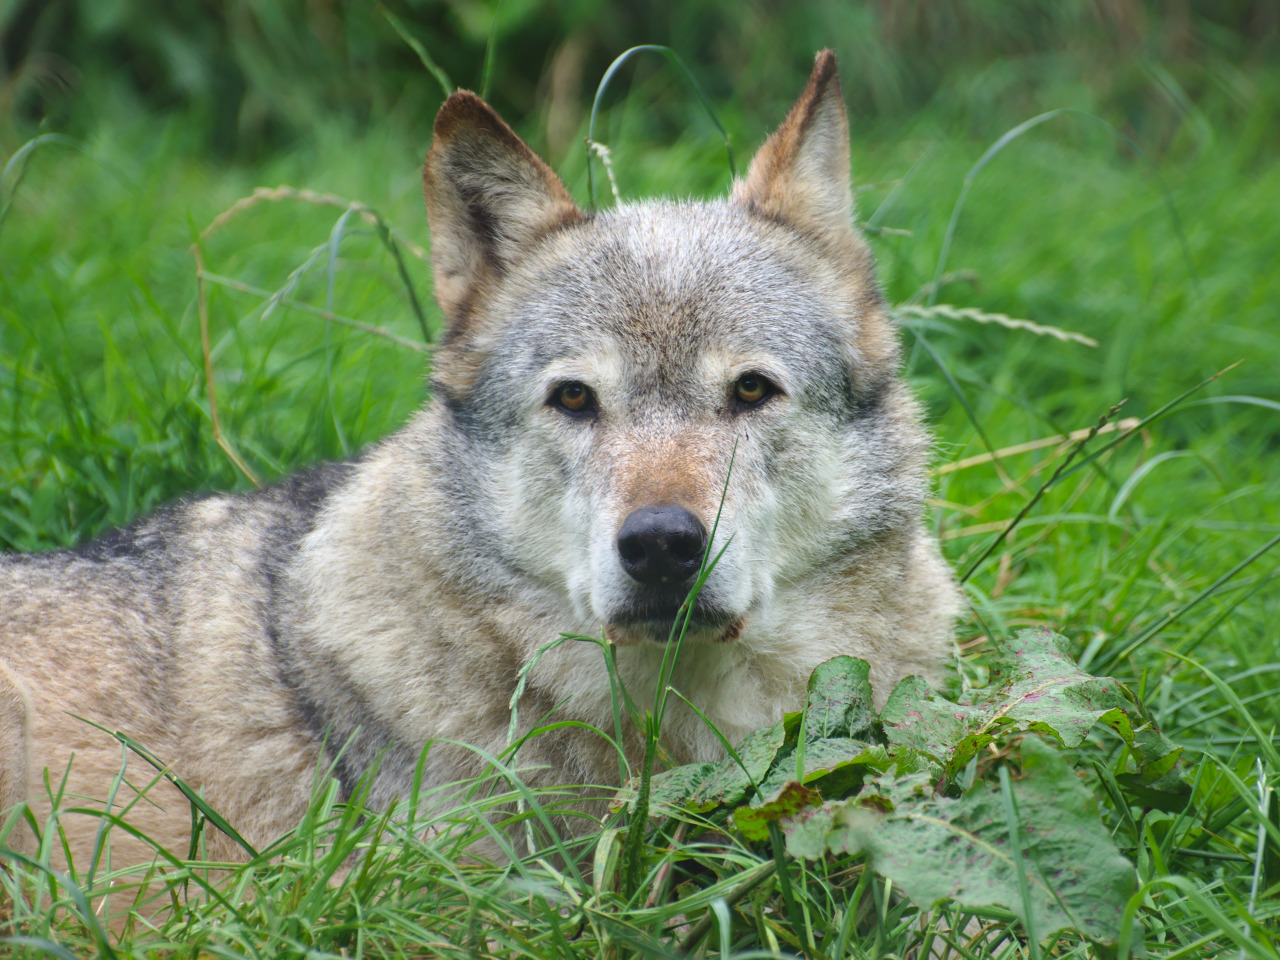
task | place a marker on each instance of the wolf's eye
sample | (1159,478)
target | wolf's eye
(574,397)
(751,390)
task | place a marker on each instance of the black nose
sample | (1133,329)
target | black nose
(661,545)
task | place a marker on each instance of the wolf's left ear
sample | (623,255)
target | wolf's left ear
(801,174)
(489,197)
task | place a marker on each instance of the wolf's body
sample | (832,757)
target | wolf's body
(599,375)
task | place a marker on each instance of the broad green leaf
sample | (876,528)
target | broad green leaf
(839,703)
(1172,800)
(808,832)
(836,767)
(676,788)
(1034,685)
(753,822)
(934,848)
(701,787)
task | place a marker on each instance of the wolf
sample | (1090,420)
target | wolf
(613,388)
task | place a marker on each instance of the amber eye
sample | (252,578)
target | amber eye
(574,397)
(752,389)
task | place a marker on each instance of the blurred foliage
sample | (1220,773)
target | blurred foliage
(256,73)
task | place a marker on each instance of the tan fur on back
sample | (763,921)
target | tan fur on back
(390,602)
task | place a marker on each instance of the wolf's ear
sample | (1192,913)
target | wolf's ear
(801,174)
(488,198)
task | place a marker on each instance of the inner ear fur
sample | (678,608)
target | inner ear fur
(489,198)
(801,174)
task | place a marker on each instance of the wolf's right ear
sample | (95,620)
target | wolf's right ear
(801,174)
(488,197)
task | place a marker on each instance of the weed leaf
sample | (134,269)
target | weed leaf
(702,787)
(1034,685)
(753,822)
(837,766)
(839,702)
(937,849)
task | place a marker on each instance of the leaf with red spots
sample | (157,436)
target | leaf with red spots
(936,849)
(703,787)
(753,822)
(1034,686)
(839,702)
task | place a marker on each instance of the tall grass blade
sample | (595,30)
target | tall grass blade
(331,274)
(958,392)
(433,68)
(86,915)
(490,49)
(1011,135)
(1135,478)
(975,315)
(1265,742)
(1223,925)
(196,801)
(674,59)
(233,284)
(1191,604)
(794,913)
(1020,867)
(19,162)
(633,850)
(1146,421)
(1044,487)
(42,944)
(750,879)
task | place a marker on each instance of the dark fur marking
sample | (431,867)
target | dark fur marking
(868,400)
(314,721)
(133,542)
(351,750)
(460,320)
(309,488)
(484,222)
(343,747)
(302,495)
(463,413)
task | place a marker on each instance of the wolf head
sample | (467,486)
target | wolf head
(623,384)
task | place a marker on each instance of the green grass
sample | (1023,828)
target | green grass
(104,414)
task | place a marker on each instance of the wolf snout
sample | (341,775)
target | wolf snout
(658,545)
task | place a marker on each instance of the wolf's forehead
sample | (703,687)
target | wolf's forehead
(659,277)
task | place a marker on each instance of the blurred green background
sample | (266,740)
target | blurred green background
(253,76)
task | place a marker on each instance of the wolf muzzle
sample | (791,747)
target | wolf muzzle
(661,550)
(661,546)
